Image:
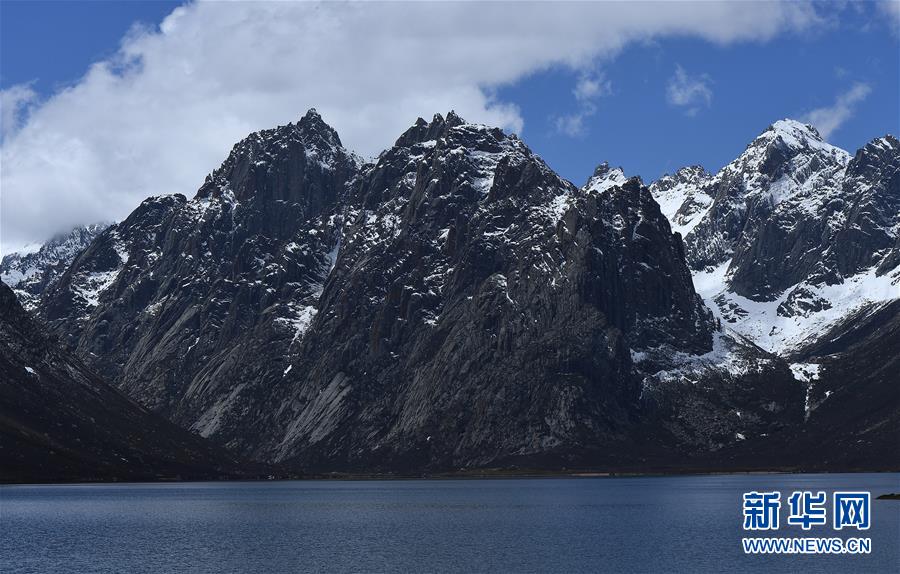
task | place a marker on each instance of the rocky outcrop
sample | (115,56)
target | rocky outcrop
(852,410)
(605,177)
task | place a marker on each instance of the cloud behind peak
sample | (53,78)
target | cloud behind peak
(163,112)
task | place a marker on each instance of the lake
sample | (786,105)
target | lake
(645,524)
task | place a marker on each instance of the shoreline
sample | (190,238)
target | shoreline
(474,475)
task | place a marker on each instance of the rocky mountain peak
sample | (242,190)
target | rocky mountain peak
(789,147)
(412,287)
(456,303)
(792,137)
(691,174)
(422,131)
(793,224)
(454,120)
(278,164)
(449,157)
(878,151)
(788,162)
(793,131)
(678,184)
(604,178)
(313,129)
(888,141)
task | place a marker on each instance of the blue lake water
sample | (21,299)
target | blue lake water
(653,524)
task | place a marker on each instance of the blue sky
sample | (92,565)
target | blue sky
(752,85)
(655,96)
(51,43)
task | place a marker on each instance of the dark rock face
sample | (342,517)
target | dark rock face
(480,310)
(853,412)
(79,291)
(455,303)
(871,224)
(855,398)
(60,422)
(30,274)
(649,294)
(741,400)
(198,298)
(802,301)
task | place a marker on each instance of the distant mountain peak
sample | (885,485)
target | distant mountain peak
(30,273)
(787,138)
(605,177)
(602,169)
(292,150)
(313,124)
(422,131)
(886,143)
(454,120)
(795,128)
(691,172)
(690,176)
(790,224)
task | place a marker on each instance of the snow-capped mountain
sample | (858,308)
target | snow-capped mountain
(795,234)
(794,246)
(787,160)
(604,178)
(30,273)
(456,303)
(452,303)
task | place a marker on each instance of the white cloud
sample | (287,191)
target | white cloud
(588,89)
(167,108)
(891,10)
(572,125)
(14,104)
(690,92)
(828,119)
